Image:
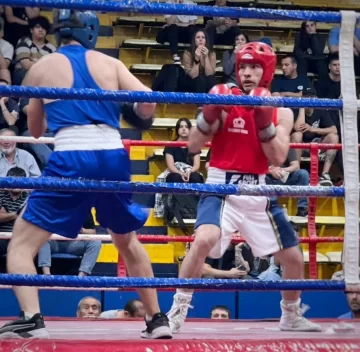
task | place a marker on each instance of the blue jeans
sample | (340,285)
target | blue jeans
(89,250)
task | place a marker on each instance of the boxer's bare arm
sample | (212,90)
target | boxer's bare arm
(277,149)
(127,81)
(36,118)
(197,140)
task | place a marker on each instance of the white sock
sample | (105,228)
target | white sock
(28,315)
(186,293)
(287,303)
(148,317)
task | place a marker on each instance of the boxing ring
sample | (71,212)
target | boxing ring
(202,334)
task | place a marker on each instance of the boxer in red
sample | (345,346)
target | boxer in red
(244,141)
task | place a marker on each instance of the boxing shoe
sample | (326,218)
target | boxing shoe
(178,312)
(157,328)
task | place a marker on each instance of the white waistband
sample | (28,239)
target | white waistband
(88,137)
(216,175)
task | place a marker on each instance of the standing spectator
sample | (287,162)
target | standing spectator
(17,22)
(6,55)
(333,42)
(220,312)
(9,113)
(31,49)
(290,174)
(200,64)
(221,30)
(10,156)
(178,29)
(309,50)
(89,250)
(316,125)
(229,58)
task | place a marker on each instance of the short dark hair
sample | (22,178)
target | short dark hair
(16,172)
(41,21)
(131,307)
(291,57)
(333,57)
(226,309)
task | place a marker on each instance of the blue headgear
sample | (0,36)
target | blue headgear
(83,27)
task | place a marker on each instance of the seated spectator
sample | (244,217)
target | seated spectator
(290,83)
(133,309)
(229,58)
(11,203)
(6,55)
(88,307)
(290,174)
(31,49)
(42,152)
(175,155)
(9,114)
(315,125)
(221,30)
(89,250)
(11,156)
(200,64)
(273,272)
(220,312)
(309,50)
(17,22)
(353,299)
(333,43)
(178,29)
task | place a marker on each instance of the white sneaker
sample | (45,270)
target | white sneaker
(292,318)
(178,312)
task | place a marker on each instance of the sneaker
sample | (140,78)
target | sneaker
(178,311)
(325,180)
(302,212)
(157,328)
(292,318)
(25,328)
(176,60)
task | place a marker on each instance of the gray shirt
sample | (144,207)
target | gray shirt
(109,314)
(24,160)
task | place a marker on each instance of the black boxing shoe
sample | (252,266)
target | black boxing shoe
(157,328)
(24,328)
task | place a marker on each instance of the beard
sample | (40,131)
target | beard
(7,150)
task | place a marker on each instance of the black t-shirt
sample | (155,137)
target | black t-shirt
(180,155)
(327,88)
(290,158)
(292,85)
(319,119)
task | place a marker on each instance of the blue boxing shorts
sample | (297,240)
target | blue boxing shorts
(64,213)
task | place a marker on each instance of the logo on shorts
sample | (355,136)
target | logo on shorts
(239,126)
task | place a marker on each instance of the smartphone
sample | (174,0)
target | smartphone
(242,268)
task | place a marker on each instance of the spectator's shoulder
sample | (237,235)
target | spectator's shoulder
(347,315)
(24,154)
(51,46)
(24,41)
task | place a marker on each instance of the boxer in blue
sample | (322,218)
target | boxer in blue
(87,145)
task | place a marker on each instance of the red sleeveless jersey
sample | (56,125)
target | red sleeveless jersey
(236,146)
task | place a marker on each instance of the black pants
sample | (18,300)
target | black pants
(313,65)
(226,38)
(357,65)
(195,177)
(175,34)
(199,84)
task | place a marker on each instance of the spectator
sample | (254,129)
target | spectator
(42,152)
(290,83)
(316,125)
(309,50)
(6,55)
(220,312)
(200,64)
(88,307)
(9,114)
(273,272)
(11,156)
(175,155)
(229,58)
(290,174)
(178,29)
(17,22)
(133,309)
(334,39)
(11,203)
(89,250)
(353,299)
(221,30)
(31,49)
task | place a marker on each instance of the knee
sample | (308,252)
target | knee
(291,257)
(172,177)
(206,237)
(303,176)
(332,138)
(195,177)
(94,246)
(297,137)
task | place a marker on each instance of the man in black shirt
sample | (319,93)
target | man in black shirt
(316,125)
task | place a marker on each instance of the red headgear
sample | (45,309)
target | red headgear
(257,53)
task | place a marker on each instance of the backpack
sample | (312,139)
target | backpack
(178,207)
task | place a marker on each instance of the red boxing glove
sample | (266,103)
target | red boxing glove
(212,113)
(264,116)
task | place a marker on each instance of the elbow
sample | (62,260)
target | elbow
(278,159)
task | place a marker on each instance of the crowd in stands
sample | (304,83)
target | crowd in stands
(23,33)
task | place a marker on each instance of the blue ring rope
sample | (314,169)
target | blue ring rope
(80,185)
(165,97)
(209,284)
(147,7)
